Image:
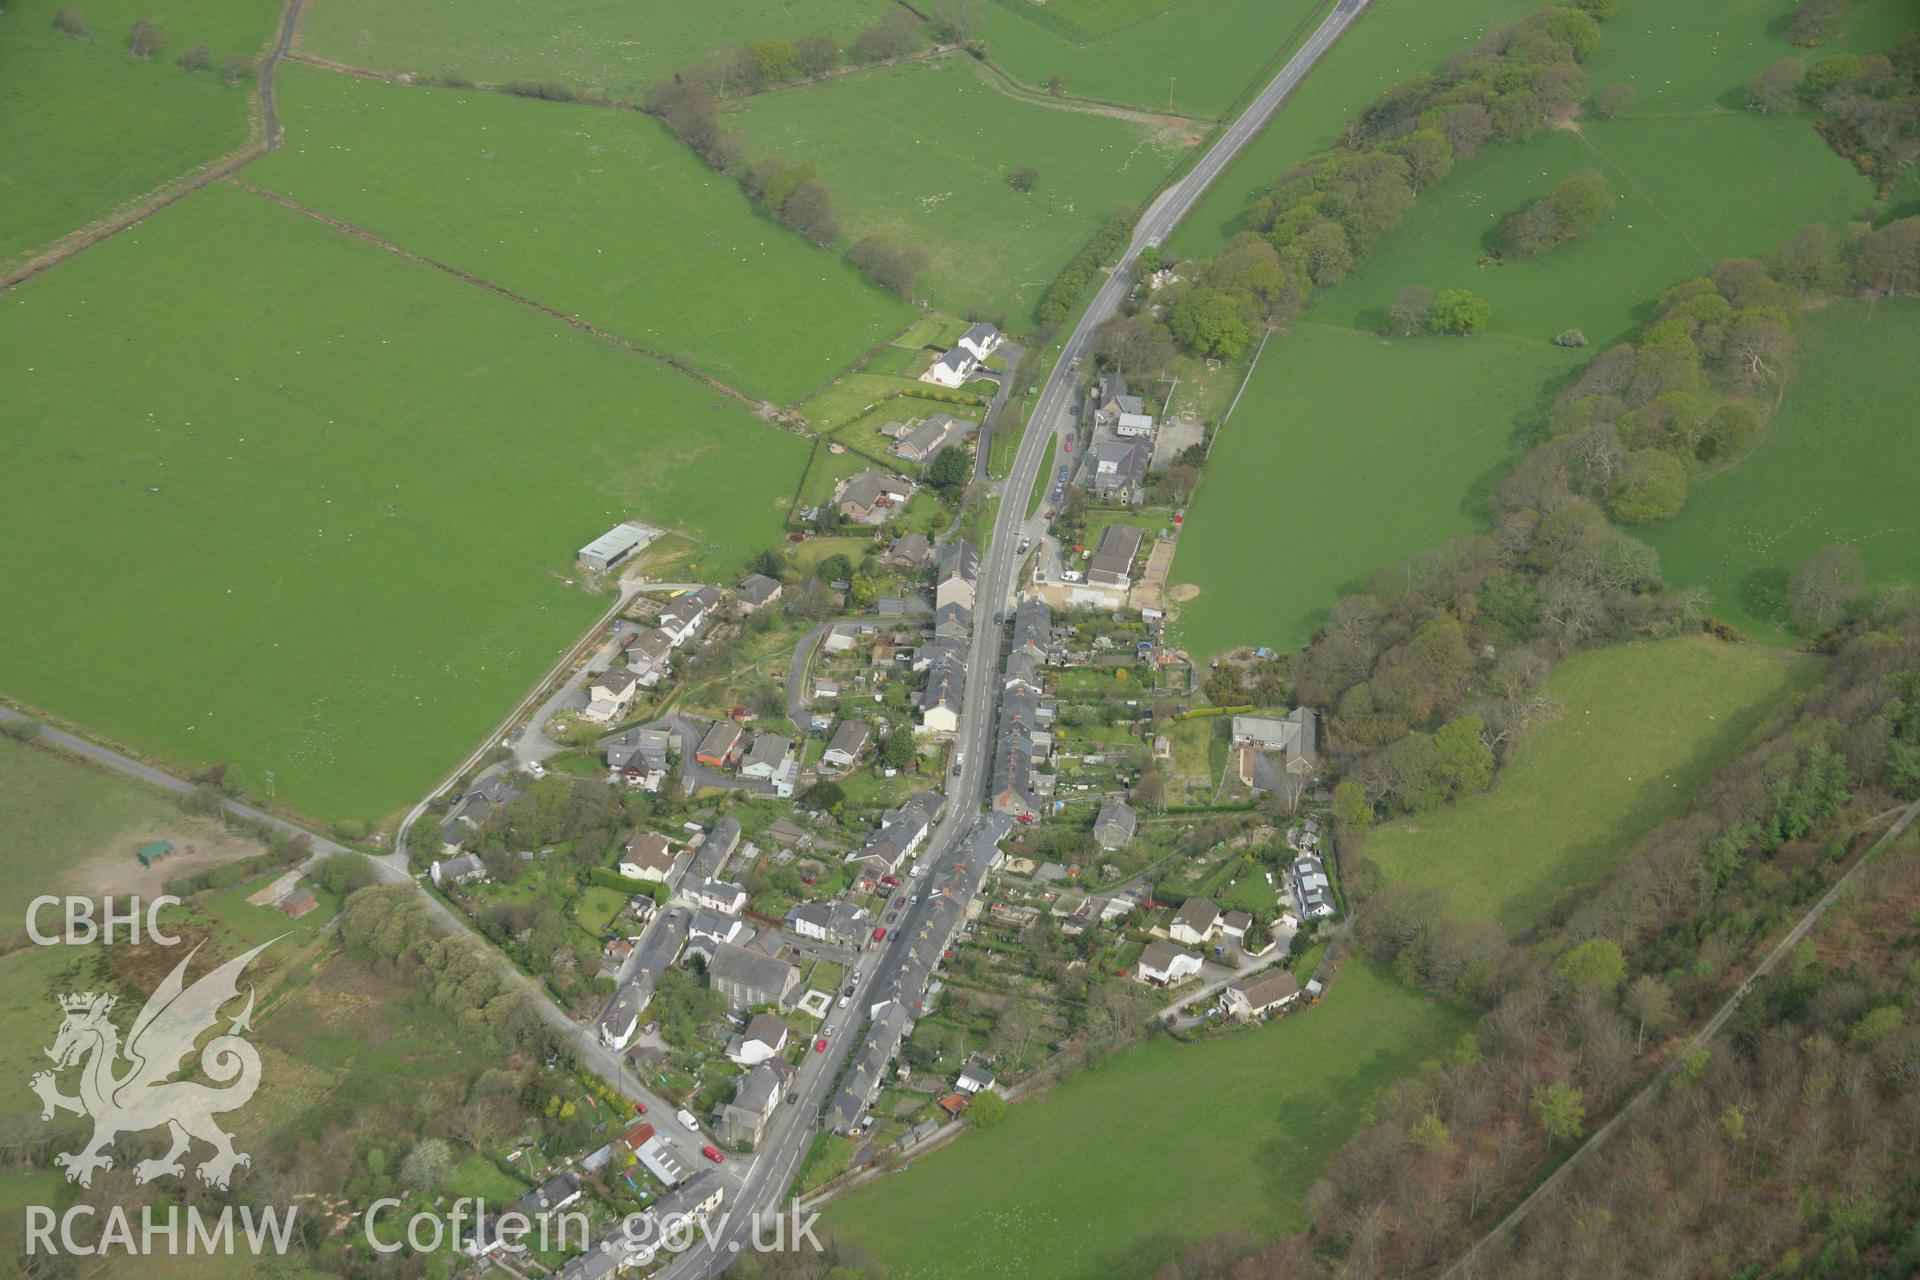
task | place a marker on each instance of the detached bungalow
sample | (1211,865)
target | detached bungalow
(756,591)
(848,744)
(1262,994)
(1112,563)
(871,497)
(929,438)
(1162,964)
(1114,827)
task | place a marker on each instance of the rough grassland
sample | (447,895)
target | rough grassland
(85,127)
(1641,727)
(1692,179)
(298,504)
(1212,49)
(72,828)
(1114,1172)
(1391,41)
(1837,465)
(615,47)
(922,151)
(600,213)
(1346,453)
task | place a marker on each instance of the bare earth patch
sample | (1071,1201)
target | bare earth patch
(196,846)
(1182,592)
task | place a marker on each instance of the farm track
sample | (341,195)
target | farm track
(133,214)
(760,407)
(997,78)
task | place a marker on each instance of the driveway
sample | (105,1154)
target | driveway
(1004,387)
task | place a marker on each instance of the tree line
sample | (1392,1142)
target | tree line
(687,103)
(146,41)
(1316,222)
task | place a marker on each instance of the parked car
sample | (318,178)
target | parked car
(1069,444)
(639,1108)
(915,900)
(845,1001)
(820,1045)
(687,1122)
(849,990)
(792,1098)
(713,1154)
(892,882)
(880,934)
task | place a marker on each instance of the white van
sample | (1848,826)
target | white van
(686,1119)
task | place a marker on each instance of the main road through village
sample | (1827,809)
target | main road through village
(763,1181)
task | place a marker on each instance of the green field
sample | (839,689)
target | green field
(1200,54)
(601,214)
(304,506)
(85,127)
(1346,453)
(1642,726)
(921,152)
(1837,464)
(1117,1170)
(1691,180)
(1393,40)
(615,47)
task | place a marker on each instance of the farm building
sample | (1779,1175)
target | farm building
(613,546)
(152,853)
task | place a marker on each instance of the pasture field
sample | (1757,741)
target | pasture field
(1692,178)
(1391,41)
(86,127)
(1835,465)
(1373,448)
(1199,54)
(615,47)
(1688,61)
(922,152)
(601,214)
(287,492)
(1246,1120)
(1642,726)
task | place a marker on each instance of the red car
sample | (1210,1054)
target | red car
(880,935)
(639,1108)
(712,1154)
(892,882)
(1069,445)
(820,1045)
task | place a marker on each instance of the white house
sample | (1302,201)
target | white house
(647,857)
(1133,425)
(717,895)
(982,340)
(1164,964)
(765,1037)
(974,1080)
(952,369)
(611,693)
(1195,922)
(1262,994)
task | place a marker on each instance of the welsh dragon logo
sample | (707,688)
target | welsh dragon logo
(142,1095)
